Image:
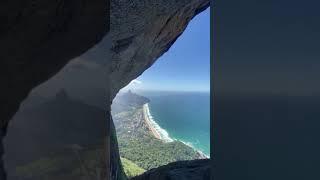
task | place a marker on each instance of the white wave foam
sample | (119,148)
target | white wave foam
(191,145)
(164,135)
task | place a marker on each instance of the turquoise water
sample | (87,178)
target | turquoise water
(185,116)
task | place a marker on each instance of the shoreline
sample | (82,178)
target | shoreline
(147,120)
(153,126)
(157,131)
(201,154)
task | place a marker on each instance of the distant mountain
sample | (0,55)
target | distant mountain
(136,141)
(126,101)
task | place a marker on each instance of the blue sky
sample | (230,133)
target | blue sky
(186,66)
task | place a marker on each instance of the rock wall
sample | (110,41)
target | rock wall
(142,30)
(37,38)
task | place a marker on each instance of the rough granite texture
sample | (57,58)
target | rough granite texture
(37,38)
(142,30)
(182,170)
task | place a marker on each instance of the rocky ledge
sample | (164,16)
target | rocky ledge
(182,170)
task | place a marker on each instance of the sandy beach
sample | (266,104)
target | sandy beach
(157,135)
(147,120)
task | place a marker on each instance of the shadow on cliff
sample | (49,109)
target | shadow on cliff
(44,134)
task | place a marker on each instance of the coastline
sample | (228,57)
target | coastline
(161,134)
(147,120)
(154,126)
(200,153)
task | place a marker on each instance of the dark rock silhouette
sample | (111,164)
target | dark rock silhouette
(182,170)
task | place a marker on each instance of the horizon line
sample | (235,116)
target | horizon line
(204,91)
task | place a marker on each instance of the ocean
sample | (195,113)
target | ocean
(183,116)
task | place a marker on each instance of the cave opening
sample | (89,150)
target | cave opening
(163,116)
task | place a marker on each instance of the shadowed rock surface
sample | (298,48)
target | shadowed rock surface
(48,131)
(37,38)
(182,170)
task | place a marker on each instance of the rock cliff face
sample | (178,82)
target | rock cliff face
(142,30)
(183,170)
(37,38)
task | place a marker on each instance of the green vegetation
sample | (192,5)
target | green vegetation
(130,168)
(136,142)
(148,152)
